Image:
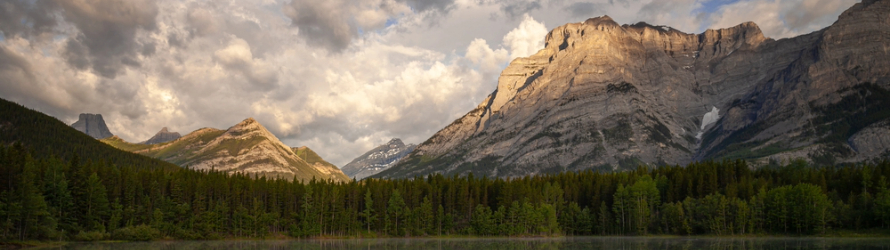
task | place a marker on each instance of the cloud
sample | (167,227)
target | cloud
(202,21)
(516,8)
(781,19)
(583,9)
(26,18)
(339,76)
(480,53)
(107,32)
(679,14)
(526,39)
(238,58)
(334,24)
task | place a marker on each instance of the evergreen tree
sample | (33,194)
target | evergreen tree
(369,214)
(396,206)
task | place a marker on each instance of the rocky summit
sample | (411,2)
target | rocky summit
(378,159)
(162,136)
(606,96)
(92,125)
(248,147)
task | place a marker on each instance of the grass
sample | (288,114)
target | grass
(123,145)
(747,151)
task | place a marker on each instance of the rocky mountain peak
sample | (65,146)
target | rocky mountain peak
(92,125)
(601,20)
(395,142)
(378,159)
(608,97)
(248,125)
(162,136)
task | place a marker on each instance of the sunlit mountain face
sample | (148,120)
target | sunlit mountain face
(341,77)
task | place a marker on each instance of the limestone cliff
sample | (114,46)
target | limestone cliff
(92,125)
(606,96)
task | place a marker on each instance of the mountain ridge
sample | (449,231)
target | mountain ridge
(247,147)
(610,97)
(162,136)
(378,159)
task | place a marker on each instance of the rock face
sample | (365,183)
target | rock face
(609,97)
(247,148)
(378,159)
(92,125)
(162,136)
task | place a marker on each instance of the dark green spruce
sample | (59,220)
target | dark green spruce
(44,198)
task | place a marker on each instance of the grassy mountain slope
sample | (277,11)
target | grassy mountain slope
(246,147)
(49,136)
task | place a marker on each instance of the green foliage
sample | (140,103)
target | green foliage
(369,214)
(89,236)
(48,199)
(395,209)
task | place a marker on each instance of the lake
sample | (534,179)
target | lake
(568,243)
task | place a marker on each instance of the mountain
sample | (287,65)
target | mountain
(609,97)
(162,136)
(378,159)
(314,160)
(92,125)
(47,136)
(247,147)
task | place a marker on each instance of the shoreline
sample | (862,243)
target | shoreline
(44,244)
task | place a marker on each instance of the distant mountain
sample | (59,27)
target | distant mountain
(247,147)
(612,97)
(378,159)
(92,125)
(47,136)
(162,136)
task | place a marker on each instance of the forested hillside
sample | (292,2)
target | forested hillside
(49,199)
(48,136)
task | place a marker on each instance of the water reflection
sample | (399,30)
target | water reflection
(570,243)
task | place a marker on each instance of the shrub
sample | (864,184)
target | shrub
(90,236)
(137,233)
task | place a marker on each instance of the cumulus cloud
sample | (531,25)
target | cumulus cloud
(339,76)
(333,24)
(679,14)
(480,53)
(583,9)
(526,39)
(781,19)
(515,8)
(24,18)
(106,41)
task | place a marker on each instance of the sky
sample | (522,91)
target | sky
(338,76)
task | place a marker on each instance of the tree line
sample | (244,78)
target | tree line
(44,198)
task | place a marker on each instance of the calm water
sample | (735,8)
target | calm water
(625,243)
